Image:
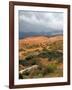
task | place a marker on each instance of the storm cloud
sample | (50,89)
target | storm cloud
(40,21)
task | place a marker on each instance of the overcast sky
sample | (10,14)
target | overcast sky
(40,21)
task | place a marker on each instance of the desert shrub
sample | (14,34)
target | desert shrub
(37,50)
(23,62)
(28,61)
(51,55)
(35,46)
(27,46)
(56,45)
(20,76)
(44,71)
(21,49)
(43,54)
(26,73)
(31,46)
(33,62)
(29,57)
(51,68)
(60,60)
(38,73)
(45,49)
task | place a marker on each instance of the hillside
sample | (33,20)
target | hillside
(41,56)
(38,40)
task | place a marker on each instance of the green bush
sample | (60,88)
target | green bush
(51,55)
(33,62)
(23,62)
(51,68)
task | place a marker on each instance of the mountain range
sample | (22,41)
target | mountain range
(50,33)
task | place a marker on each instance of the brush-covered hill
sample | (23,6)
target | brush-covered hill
(37,40)
(41,56)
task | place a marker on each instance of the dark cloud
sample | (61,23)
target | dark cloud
(31,21)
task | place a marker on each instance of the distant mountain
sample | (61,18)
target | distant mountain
(28,34)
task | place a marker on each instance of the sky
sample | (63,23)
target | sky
(40,21)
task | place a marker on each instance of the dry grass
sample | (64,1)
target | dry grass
(46,52)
